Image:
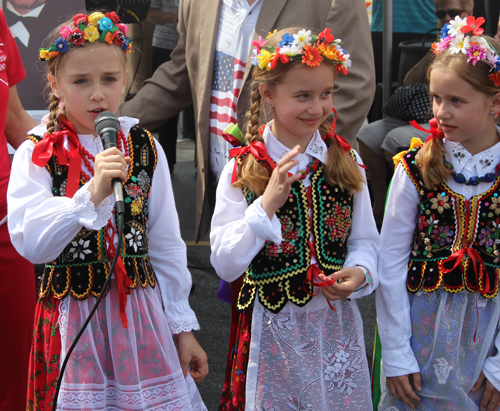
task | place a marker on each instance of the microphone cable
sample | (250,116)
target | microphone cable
(121,224)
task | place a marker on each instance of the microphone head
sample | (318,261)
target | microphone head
(106,119)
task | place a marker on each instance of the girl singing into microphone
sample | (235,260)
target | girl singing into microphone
(61,214)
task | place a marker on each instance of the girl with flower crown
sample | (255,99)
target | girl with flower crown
(294,233)
(438,306)
(61,214)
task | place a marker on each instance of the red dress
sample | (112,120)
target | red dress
(17,289)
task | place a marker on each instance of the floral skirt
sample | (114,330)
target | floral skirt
(112,368)
(451,347)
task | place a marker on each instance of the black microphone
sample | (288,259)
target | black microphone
(107,127)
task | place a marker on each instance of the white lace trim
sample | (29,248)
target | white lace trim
(91,217)
(126,397)
(63,325)
(184,326)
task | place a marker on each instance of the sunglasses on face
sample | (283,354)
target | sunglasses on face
(441,14)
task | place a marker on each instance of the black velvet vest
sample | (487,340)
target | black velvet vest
(83,266)
(447,223)
(279,271)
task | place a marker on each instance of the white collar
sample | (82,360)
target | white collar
(32,13)
(316,147)
(467,164)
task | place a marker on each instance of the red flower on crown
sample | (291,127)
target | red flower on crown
(77,37)
(113,17)
(473,25)
(81,19)
(325,37)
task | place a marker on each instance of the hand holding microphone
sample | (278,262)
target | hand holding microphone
(110,165)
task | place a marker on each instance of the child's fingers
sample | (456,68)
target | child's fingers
(479,381)
(417,381)
(289,156)
(200,369)
(490,398)
(401,388)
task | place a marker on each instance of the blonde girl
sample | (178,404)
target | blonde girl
(437,304)
(293,217)
(61,214)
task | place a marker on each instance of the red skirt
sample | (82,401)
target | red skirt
(233,391)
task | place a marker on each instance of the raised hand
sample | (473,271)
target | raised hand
(279,185)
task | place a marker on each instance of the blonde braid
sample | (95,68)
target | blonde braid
(251,174)
(54,112)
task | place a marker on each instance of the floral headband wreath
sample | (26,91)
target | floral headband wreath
(304,45)
(464,35)
(98,26)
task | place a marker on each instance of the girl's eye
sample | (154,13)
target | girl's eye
(327,93)
(436,98)
(302,96)
(110,79)
(456,100)
(80,81)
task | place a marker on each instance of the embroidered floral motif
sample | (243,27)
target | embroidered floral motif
(486,237)
(289,234)
(345,361)
(440,202)
(495,204)
(442,370)
(144,181)
(80,249)
(134,238)
(442,236)
(340,222)
(136,206)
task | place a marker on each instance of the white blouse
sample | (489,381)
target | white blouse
(393,306)
(239,231)
(41,224)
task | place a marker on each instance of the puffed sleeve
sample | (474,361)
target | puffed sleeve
(364,241)
(392,301)
(167,251)
(238,231)
(40,224)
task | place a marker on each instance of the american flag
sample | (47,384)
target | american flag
(226,86)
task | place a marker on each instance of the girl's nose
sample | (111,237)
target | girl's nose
(315,107)
(96,94)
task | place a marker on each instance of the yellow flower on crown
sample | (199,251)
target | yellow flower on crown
(95,17)
(43,54)
(91,34)
(270,34)
(264,58)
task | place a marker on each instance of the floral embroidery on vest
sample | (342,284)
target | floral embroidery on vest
(83,266)
(449,225)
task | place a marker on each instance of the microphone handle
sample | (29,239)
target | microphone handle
(109,140)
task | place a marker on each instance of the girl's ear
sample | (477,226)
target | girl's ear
(495,103)
(266,93)
(53,86)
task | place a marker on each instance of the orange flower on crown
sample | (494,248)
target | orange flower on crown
(312,56)
(495,77)
(473,25)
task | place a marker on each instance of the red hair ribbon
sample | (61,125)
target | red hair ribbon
(343,143)
(257,149)
(435,131)
(53,144)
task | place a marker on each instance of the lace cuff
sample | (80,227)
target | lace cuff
(89,216)
(259,222)
(181,317)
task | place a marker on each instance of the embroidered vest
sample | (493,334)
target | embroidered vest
(279,271)
(447,223)
(83,266)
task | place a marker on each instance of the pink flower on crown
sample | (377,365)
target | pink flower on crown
(66,31)
(442,45)
(259,43)
(475,53)
(123,28)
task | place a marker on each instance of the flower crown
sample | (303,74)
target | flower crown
(304,45)
(97,26)
(464,35)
